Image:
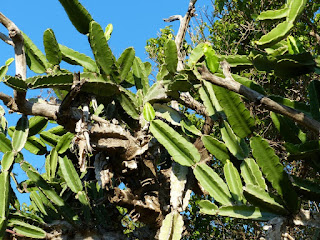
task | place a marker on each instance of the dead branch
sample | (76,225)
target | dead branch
(184,24)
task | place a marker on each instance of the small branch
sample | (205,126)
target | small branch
(187,100)
(173,18)
(6,39)
(65,106)
(184,24)
(230,84)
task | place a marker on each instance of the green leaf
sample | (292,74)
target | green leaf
(295,9)
(9,61)
(172,227)
(156,92)
(64,143)
(171,56)
(49,138)
(35,146)
(100,48)
(16,83)
(4,69)
(236,60)
(51,47)
(182,151)
(196,54)
(70,174)
(168,113)
(7,161)
(5,143)
(274,172)
(26,229)
(37,124)
(4,201)
(310,190)
(314,96)
(251,173)
(36,60)
(140,75)
(77,14)
(212,183)
(49,192)
(76,58)
(83,199)
(125,62)
(273,14)
(209,98)
(207,207)
(260,198)
(212,60)
(61,80)
(148,112)
(286,127)
(20,134)
(294,46)
(189,129)
(51,164)
(216,148)
(234,182)
(246,212)
(34,197)
(108,31)
(127,102)
(275,35)
(232,142)
(238,115)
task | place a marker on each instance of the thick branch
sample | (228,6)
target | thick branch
(230,84)
(17,39)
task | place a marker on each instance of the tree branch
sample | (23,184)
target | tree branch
(20,58)
(6,39)
(18,43)
(230,84)
(184,24)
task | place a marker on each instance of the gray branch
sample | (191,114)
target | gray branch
(6,39)
(230,84)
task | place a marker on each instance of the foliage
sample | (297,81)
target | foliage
(119,146)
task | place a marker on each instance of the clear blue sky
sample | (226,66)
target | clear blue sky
(134,22)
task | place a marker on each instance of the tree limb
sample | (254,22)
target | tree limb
(20,58)
(230,84)
(184,24)
(6,39)
(18,43)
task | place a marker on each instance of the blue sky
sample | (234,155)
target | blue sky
(134,22)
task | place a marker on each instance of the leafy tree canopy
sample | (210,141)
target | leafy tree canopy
(223,143)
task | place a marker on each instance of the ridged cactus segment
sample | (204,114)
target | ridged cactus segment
(70,174)
(20,134)
(213,183)
(100,48)
(178,147)
(77,14)
(171,56)
(51,47)
(76,58)
(36,60)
